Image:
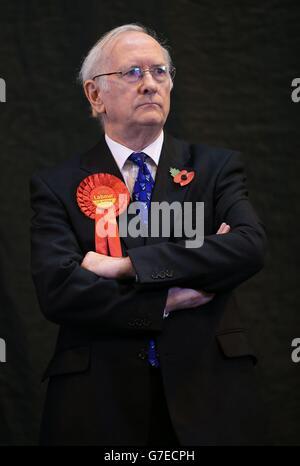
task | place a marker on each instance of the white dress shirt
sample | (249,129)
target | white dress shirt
(128,168)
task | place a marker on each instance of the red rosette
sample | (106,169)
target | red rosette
(102,197)
(101,191)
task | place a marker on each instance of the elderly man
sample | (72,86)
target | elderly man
(151,349)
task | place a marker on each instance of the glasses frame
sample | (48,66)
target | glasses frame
(171,70)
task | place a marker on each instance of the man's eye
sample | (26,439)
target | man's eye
(160,71)
(133,72)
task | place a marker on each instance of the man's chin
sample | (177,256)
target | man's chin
(151,120)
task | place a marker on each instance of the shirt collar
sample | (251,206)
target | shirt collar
(121,153)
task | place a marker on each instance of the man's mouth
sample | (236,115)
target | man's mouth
(149,103)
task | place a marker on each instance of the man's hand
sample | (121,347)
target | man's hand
(223,229)
(107,266)
(184,298)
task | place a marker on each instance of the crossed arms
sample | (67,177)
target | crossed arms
(122,268)
(73,290)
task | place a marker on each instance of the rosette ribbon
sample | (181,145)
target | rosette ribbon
(103,197)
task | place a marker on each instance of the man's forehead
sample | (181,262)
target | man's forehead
(135,46)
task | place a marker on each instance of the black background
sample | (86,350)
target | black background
(235,63)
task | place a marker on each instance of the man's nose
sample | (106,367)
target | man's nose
(148,83)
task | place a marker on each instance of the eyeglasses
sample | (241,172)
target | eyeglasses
(158,72)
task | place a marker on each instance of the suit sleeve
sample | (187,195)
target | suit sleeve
(223,261)
(70,294)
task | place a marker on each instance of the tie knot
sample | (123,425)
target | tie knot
(138,158)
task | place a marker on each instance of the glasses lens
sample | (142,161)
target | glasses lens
(133,75)
(159,72)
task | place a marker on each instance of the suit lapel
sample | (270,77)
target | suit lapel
(175,154)
(100,160)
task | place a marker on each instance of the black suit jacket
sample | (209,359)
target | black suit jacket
(98,390)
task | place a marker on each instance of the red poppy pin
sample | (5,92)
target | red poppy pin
(182,177)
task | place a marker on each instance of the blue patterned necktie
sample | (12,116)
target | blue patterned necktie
(142,191)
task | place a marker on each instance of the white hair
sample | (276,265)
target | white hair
(92,63)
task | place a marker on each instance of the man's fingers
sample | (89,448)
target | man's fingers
(220,229)
(183,298)
(224,228)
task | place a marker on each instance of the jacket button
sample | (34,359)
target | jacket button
(142,354)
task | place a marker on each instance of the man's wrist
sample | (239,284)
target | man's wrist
(126,268)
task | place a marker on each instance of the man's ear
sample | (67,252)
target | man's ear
(94,96)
